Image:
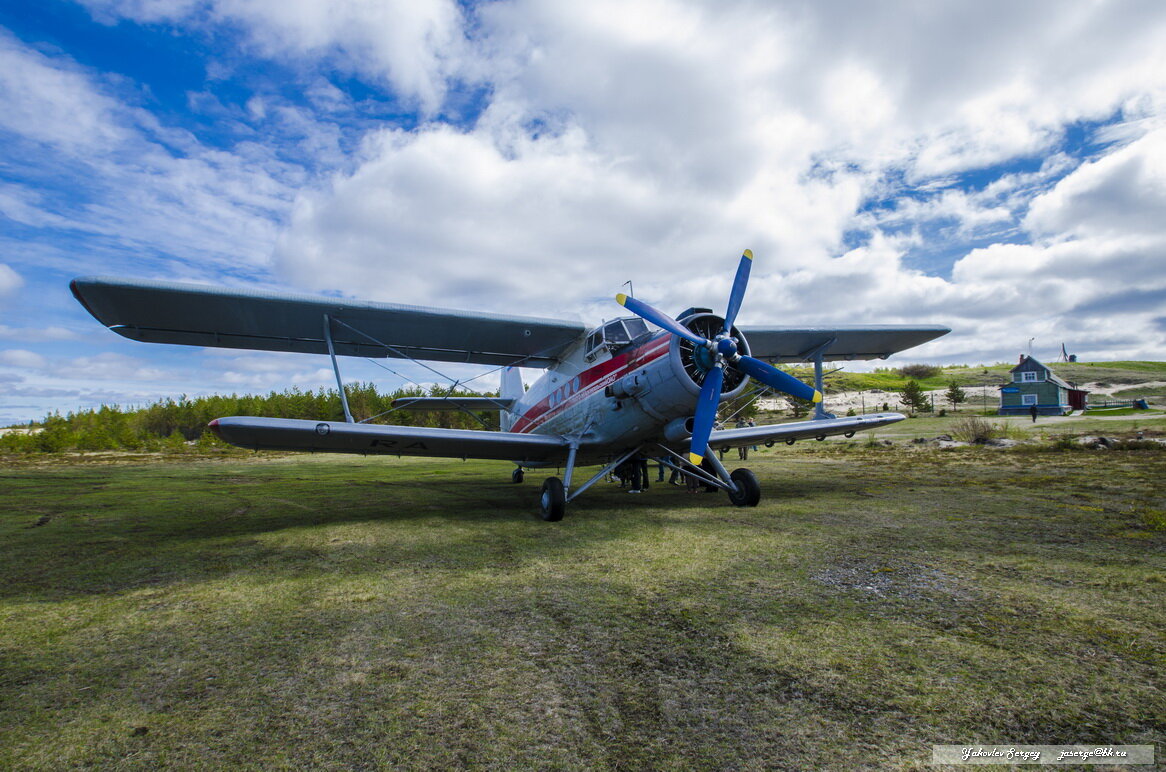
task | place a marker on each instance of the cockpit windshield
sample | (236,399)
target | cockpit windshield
(635,327)
(613,334)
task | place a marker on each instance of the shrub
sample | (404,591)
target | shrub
(977,430)
(919,371)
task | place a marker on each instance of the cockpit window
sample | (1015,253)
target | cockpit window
(614,334)
(635,327)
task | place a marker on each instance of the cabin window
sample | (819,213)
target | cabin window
(1030,376)
(1027,399)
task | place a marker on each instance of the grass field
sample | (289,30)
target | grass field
(315,612)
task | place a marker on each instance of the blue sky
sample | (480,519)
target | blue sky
(996,167)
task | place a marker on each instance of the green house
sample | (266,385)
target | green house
(1035,385)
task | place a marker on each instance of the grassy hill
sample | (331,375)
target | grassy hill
(1114,375)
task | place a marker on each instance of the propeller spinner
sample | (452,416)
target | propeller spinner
(723,349)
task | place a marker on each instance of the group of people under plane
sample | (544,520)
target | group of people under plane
(634,474)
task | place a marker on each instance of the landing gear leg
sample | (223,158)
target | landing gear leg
(553,502)
(516,476)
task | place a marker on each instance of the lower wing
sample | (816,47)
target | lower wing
(341,437)
(798,430)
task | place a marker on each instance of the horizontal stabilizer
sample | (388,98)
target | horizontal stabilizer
(473,404)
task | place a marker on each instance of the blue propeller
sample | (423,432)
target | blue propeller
(724,351)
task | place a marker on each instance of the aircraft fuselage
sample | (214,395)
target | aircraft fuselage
(635,393)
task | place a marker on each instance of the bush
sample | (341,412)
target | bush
(977,430)
(919,372)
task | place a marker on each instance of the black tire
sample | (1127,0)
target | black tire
(748,489)
(516,476)
(553,501)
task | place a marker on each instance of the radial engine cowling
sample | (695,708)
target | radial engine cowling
(695,361)
(674,383)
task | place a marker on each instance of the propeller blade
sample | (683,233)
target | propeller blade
(737,294)
(646,312)
(777,379)
(706,413)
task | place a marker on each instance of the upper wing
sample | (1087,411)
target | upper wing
(797,344)
(798,430)
(194,315)
(341,437)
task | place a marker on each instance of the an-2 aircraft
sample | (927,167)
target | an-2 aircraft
(611,393)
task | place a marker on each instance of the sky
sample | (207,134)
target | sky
(995,167)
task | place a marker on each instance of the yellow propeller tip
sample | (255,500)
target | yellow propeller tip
(621,298)
(695,459)
(817,397)
(747,253)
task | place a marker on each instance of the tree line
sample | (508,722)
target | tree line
(181,424)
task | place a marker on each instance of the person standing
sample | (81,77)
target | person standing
(636,469)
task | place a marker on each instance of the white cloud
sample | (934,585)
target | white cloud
(36,334)
(110,366)
(21,358)
(615,148)
(10,280)
(417,46)
(144,188)
(1121,195)
(52,100)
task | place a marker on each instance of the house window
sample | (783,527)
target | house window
(1030,376)
(1027,399)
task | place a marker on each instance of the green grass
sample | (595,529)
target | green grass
(350,613)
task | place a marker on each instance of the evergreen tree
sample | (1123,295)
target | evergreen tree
(913,397)
(955,395)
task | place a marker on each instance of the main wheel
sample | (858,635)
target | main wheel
(516,476)
(553,502)
(748,489)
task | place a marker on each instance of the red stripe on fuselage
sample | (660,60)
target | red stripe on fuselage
(593,379)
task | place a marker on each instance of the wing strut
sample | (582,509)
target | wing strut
(817,354)
(599,475)
(336,367)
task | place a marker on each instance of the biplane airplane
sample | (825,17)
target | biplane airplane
(619,391)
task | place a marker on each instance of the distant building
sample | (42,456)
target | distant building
(1035,384)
